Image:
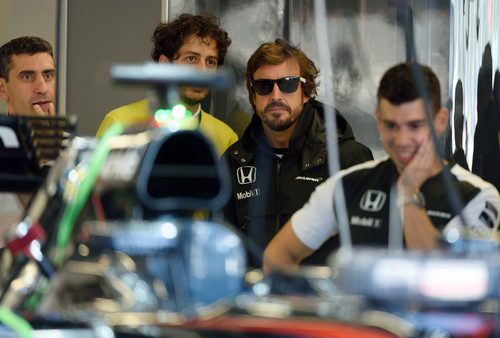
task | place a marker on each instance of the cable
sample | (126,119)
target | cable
(18,324)
(340,208)
(454,199)
(100,215)
(83,190)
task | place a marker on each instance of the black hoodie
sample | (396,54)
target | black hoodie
(267,189)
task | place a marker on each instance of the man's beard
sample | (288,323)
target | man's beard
(190,101)
(191,98)
(279,124)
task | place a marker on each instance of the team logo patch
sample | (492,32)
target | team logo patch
(492,209)
(367,222)
(246,174)
(489,215)
(372,200)
(311,179)
(248,194)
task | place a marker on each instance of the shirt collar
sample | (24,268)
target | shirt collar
(197,112)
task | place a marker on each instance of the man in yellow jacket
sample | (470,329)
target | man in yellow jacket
(193,40)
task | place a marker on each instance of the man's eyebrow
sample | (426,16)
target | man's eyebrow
(418,121)
(191,52)
(188,52)
(31,72)
(26,72)
(411,121)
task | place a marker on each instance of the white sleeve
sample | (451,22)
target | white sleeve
(314,222)
(481,214)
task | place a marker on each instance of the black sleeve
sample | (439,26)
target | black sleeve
(354,153)
(229,209)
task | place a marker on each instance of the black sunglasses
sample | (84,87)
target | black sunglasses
(287,84)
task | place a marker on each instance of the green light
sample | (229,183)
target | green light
(162,115)
(176,118)
(179,111)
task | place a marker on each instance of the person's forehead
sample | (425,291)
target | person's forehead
(197,42)
(290,67)
(36,62)
(412,110)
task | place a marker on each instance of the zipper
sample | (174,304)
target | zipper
(244,225)
(277,199)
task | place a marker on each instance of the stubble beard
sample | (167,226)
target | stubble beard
(279,124)
(192,99)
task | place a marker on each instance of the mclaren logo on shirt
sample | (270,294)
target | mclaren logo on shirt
(372,200)
(246,174)
(310,179)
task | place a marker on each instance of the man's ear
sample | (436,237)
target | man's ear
(163,59)
(441,120)
(305,98)
(378,120)
(378,114)
(252,100)
(3,90)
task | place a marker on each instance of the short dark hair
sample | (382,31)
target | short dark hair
(398,85)
(168,38)
(22,45)
(275,53)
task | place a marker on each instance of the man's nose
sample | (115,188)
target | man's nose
(402,137)
(276,92)
(41,85)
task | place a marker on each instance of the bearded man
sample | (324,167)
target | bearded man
(282,155)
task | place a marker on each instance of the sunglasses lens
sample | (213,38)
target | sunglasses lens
(288,84)
(285,84)
(263,87)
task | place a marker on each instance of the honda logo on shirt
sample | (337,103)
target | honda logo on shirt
(246,174)
(372,200)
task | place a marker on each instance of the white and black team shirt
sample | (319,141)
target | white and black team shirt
(367,189)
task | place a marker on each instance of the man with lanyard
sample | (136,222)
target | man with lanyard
(193,40)
(281,156)
(413,167)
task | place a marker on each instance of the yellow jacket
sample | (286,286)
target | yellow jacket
(219,133)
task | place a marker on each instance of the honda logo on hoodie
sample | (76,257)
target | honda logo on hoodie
(246,174)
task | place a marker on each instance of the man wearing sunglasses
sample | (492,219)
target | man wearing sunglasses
(408,186)
(281,156)
(197,41)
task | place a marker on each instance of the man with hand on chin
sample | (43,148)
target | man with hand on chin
(28,86)
(28,76)
(413,167)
